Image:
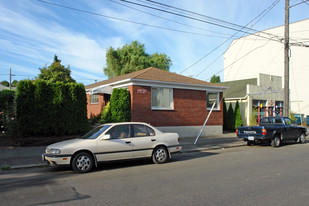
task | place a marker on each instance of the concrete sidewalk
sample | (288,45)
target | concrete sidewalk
(25,157)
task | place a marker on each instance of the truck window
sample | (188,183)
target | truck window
(288,122)
(278,121)
(266,121)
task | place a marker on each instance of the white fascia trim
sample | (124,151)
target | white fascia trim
(151,83)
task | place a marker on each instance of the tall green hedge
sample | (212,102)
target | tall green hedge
(120,105)
(44,108)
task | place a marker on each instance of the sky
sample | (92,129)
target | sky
(80,32)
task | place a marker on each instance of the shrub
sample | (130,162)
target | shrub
(120,106)
(238,119)
(230,118)
(45,108)
(106,114)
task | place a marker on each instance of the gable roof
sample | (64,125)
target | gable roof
(238,88)
(156,75)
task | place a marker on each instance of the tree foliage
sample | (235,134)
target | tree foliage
(225,117)
(230,120)
(106,116)
(46,108)
(120,105)
(238,119)
(56,72)
(133,57)
(215,79)
(5,83)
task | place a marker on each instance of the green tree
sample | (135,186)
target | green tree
(120,105)
(230,118)
(215,79)
(5,83)
(238,119)
(15,83)
(56,72)
(132,57)
(106,114)
(225,117)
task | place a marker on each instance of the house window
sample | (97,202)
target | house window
(161,98)
(94,98)
(212,98)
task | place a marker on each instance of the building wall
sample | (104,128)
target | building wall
(95,109)
(251,55)
(189,108)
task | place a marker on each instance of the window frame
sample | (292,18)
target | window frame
(171,101)
(217,106)
(92,99)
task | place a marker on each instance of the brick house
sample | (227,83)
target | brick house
(168,101)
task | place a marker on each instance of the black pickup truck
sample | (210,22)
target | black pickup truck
(273,130)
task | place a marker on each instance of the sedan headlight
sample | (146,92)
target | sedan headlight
(53,151)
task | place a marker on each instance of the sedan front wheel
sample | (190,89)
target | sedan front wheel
(82,162)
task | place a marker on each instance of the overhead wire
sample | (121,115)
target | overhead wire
(203,21)
(177,22)
(119,19)
(260,16)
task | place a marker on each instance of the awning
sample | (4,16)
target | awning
(102,90)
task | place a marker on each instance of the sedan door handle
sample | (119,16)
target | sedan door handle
(153,140)
(128,142)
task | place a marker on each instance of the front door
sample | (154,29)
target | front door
(291,129)
(118,147)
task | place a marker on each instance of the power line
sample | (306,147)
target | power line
(260,16)
(177,22)
(206,21)
(123,20)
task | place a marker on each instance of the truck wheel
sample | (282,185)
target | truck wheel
(250,143)
(275,142)
(302,138)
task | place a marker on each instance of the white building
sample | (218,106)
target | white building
(253,54)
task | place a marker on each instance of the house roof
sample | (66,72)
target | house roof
(238,88)
(154,74)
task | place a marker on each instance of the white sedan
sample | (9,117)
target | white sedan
(115,141)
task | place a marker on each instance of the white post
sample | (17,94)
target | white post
(198,136)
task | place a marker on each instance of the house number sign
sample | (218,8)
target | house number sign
(141,91)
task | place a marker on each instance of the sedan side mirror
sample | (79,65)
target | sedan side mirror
(106,137)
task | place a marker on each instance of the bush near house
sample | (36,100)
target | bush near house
(106,114)
(120,105)
(45,108)
(238,119)
(7,112)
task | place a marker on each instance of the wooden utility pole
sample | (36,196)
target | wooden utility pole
(286,104)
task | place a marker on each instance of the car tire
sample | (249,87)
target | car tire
(159,155)
(302,138)
(250,143)
(82,162)
(275,142)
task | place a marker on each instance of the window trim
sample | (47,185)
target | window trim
(171,99)
(217,107)
(91,99)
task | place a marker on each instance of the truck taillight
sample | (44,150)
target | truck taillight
(236,131)
(178,139)
(263,131)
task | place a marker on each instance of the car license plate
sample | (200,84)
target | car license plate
(250,138)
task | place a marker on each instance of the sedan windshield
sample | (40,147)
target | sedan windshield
(94,133)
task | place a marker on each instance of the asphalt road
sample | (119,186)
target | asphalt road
(257,175)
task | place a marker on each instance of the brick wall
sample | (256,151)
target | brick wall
(189,108)
(95,109)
